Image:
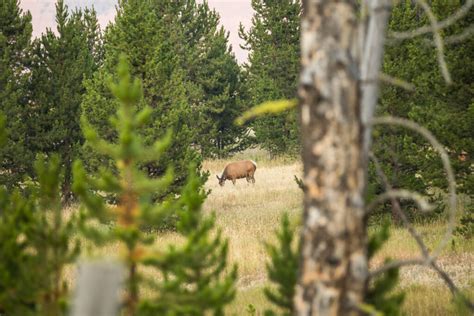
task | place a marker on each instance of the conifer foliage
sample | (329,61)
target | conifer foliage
(283,269)
(15,34)
(60,64)
(38,241)
(191,276)
(446,110)
(381,295)
(272,70)
(190,81)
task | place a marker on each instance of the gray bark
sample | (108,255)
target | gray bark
(379,12)
(333,266)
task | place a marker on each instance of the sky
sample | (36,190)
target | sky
(232,12)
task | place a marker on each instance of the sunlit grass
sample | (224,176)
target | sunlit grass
(422,300)
(249,214)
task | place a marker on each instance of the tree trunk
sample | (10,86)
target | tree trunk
(333,266)
(67,182)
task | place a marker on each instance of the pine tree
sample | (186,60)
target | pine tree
(38,242)
(15,34)
(381,294)
(283,269)
(447,111)
(192,279)
(219,77)
(215,71)
(465,228)
(94,36)
(191,80)
(272,70)
(18,279)
(60,64)
(154,49)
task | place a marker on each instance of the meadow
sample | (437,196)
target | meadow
(249,214)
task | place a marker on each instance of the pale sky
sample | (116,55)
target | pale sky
(232,12)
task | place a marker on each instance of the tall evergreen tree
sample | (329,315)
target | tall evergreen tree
(212,66)
(446,110)
(272,69)
(15,35)
(60,64)
(218,76)
(94,36)
(139,34)
(190,80)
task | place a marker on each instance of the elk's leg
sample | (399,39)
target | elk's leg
(233,181)
(252,177)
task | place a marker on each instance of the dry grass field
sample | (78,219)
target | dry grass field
(248,215)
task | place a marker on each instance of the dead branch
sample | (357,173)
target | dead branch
(397,82)
(458,38)
(413,232)
(396,264)
(440,25)
(446,164)
(437,39)
(419,199)
(426,260)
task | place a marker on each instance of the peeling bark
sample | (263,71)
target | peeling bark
(333,266)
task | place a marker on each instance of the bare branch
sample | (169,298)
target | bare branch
(454,39)
(426,260)
(446,164)
(396,264)
(440,25)
(428,263)
(419,199)
(438,40)
(397,82)
(400,213)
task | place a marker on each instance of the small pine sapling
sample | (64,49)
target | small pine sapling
(194,280)
(18,278)
(465,228)
(55,236)
(190,278)
(38,241)
(380,296)
(282,269)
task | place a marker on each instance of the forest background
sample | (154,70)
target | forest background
(55,86)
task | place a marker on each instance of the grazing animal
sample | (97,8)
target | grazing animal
(238,170)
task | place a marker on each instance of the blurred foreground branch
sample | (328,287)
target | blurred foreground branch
(438,26)
(426,259)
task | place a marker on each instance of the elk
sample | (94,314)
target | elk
(238,170)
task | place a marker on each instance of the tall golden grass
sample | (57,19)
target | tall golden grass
(249,214)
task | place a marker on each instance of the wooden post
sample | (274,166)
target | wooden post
(97,292)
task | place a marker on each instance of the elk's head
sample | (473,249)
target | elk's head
(221,180)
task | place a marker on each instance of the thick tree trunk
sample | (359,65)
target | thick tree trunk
(333,268)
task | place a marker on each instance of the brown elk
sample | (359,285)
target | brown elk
(238,170)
